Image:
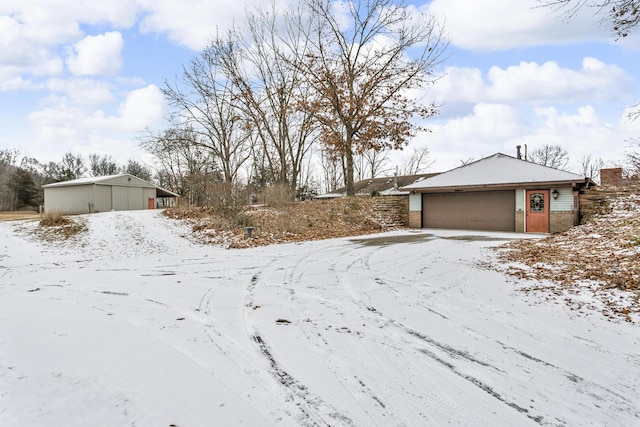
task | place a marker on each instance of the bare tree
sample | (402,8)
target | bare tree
(71,167)
(418,161)
(206,104)
(621,16)
(135,168)
(332,169)
(468,160)
(183,166)
(258,61)
(633,158)
(590,167)
(553,156)
(102,165)
(362,65)
(370,164)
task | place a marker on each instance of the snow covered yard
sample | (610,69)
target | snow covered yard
(132,324)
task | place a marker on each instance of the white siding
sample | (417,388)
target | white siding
(564,202)
(520,199)
(119,198)
(102,198)
(102,194)
(68,200)
(128,181)
(131,198)
(415,202)
(134,196)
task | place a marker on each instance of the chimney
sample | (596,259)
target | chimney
(611,176)
(518,151)
(395,180)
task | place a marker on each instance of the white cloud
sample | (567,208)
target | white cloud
(492,128)
(33,32)
(65,124)
(82,91)
(506,24)
(97,55)
(142,108)
(535,84)
(193,23)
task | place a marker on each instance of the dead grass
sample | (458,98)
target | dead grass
(18,215)
(284,222)
(52,219)
(592,266)
(53,226)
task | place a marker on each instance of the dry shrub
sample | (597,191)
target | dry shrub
(53,219)
(278,195)
(289,222)
(54,226)
(227,199)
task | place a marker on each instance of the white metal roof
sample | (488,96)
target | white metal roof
(498,169)
(89,180)
(105,180)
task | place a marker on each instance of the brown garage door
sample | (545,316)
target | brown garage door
(470,210)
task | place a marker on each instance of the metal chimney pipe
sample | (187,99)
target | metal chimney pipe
(395,180)
(518,151)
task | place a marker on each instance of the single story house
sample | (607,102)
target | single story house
(105,193)
(383,186)
(498,193)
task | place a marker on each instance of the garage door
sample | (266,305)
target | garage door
(470,210)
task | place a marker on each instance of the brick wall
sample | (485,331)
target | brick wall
(611,176)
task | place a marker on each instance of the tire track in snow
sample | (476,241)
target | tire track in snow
(597,391)
(445,348)
(313,410)
(366,364)
(342,373)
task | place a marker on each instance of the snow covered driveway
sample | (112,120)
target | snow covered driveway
(131,324)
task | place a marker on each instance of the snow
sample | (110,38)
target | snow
(497,169)
(134,323)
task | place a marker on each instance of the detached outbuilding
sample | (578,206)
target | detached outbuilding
(498,193)
(105,193)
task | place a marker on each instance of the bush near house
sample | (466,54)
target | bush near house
(285,222)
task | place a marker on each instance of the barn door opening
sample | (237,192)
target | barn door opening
(537,211)
(151,203)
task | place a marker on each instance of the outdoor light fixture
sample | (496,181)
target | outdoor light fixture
(555,194)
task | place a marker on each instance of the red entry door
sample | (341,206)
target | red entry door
(537,203)
(151,204)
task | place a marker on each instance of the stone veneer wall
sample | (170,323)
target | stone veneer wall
(560,221)
(595,201)
(415,219)
(391,211)
(519,222)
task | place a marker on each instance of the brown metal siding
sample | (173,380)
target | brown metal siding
(470,210)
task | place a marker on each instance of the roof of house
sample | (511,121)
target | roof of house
(497,170)
(383,185)
(162,192)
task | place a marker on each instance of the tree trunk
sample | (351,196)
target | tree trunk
(348,177)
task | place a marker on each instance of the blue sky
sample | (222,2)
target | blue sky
(85,77)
